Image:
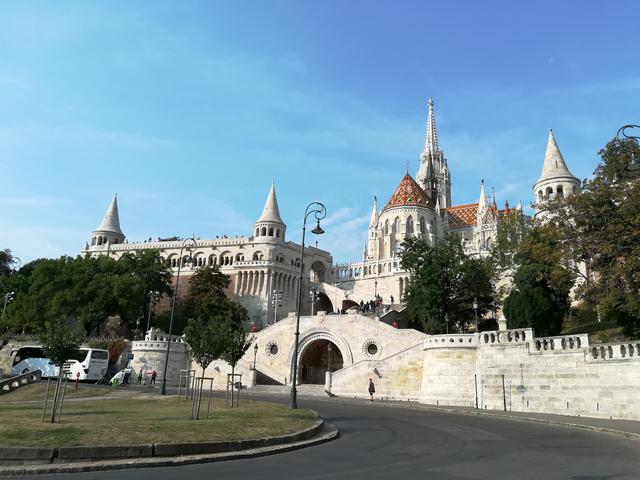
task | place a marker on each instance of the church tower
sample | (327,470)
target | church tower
(108,232)
(270,224)
(433,174)
(555,180)
(372,243)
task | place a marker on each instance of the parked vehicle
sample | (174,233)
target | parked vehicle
(30,358)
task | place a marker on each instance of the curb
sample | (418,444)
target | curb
(320,433)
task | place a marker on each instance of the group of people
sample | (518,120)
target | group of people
(122,378)
(373,305)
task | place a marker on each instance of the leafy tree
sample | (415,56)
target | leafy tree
(511,230)
(7,262)
(600,228)
(206,295)
(60,342)
(444,281)
(542,282)
(207,340)
(238,342)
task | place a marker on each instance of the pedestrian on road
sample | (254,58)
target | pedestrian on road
(154,374)
(372,389)
(139,382)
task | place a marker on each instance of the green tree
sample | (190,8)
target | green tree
(600,228)
(512,228)
(542,283)
(60,341)
(7,263)
(444,281)
(238,342)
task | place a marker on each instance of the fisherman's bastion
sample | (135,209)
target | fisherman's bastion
(340,348)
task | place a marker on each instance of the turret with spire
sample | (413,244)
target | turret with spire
(372,244)
(108,232)
(555,180)
(433,174)
(270,224)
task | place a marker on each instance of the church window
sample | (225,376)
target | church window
(396,225)
(264,231)
(271,231)
(409,226)
(423,227)
(386,227)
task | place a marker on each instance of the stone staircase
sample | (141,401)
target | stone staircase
(10,384)
(304,389)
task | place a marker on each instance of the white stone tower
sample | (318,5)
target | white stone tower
(372,244)
(555,179)
(433,173)
(270,226)
(109,231)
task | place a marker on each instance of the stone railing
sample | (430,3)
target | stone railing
(614,351)
(559,343)
(518,335)
(451,341)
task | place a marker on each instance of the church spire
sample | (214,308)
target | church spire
(431,140)
(483,202)
(373,221)
(271,212)
(554,164)
(111,220)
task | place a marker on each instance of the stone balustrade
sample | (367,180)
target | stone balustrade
(451,341)
(614,351)
(559,343)
(518,335)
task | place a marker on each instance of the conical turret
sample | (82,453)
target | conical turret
(555,180)
(373,220)
(270,223)
(109,229)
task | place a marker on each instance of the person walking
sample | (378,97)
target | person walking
(154,374)
(139,382)
(372,389)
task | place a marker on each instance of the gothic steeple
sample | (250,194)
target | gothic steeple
(431,140)
(270,223)
(373,220)
(109,229)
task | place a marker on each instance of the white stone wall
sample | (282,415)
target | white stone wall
(150,354)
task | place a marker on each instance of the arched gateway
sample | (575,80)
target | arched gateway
(320,351)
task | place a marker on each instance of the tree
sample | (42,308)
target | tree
(7,262)
(444,281)
(542,282)
(512,228)
(238,342)
(60,341)
(600,230)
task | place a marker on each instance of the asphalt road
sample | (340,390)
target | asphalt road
(381,442)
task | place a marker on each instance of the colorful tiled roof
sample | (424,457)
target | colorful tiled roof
(462,215)
(409,193)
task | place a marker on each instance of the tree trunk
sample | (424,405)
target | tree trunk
(56,394)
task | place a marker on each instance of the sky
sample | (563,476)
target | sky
(189,110)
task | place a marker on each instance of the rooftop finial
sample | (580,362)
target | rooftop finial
(431,141)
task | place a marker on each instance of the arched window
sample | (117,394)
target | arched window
(278,233)
(540,197)
(549,193)
(423,226)
(257,232)
(575,189)
(93,241)
(396,225)
(271,231)
(409,226)
(212,260)
(257,256)
(264,231)
(559,191)
(240,257)
(386,227)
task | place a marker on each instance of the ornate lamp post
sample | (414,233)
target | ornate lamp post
(634,163)
(153,298)
(255,352)
(188,244)
(8,298)
(475,311)
(319,211)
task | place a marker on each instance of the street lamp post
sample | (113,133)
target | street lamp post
(8,298)
(319,211)
(446,321)
(475,311)
(153,298)
(329,360)
(255,352)
(188,243)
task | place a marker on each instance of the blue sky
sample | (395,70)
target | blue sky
(188,110)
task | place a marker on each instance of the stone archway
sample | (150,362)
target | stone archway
(319,356)
(324,303)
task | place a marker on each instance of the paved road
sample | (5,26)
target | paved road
(382,442)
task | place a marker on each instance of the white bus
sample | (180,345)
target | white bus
(89,363)
(30,358)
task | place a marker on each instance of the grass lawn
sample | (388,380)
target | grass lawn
(139,419)
(36,391)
